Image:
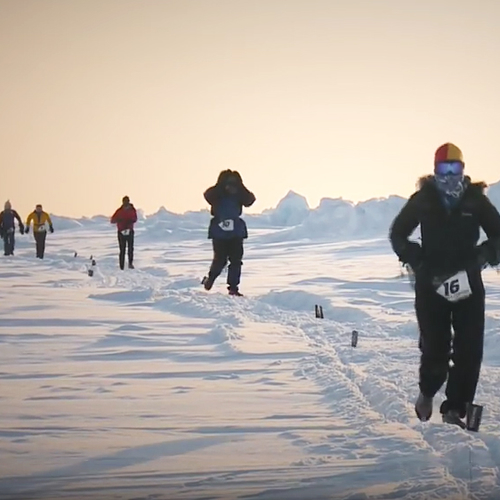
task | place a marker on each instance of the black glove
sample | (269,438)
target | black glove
(413,256)
(1,233)
(51,229)
(488,252)
(237,177)
(27,230)
(21,229)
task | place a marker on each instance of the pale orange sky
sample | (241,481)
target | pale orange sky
(330,98)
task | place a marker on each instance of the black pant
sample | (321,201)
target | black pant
(9,242)
(40,237)
(436,317)
(224,250)
(123,242)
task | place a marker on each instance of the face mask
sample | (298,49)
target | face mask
(450,184)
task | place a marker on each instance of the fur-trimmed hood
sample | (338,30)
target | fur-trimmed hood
(428,180)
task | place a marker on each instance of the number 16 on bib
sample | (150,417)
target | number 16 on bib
(455,288)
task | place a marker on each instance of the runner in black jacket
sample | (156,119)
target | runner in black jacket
(8,227)
(227,229)
(449,291)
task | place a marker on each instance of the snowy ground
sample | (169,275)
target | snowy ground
(141,385)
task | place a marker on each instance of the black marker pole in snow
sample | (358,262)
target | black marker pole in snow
(90,269)
(319,311)
(473,417)
(354,338)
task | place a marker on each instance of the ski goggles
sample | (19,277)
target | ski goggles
(449,167)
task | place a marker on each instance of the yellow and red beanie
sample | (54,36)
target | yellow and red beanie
(448,152)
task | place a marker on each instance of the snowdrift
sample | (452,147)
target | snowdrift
(334,219)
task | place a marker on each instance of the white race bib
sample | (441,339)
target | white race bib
(42,228)
(125,232)
(227,225)
(455,288)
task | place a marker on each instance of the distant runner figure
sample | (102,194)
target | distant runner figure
(125,217)
(227,229)
(40,220)
(8,228)
(449,291)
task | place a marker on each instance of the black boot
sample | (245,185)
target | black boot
(207,282)
(453,417)
(423,407)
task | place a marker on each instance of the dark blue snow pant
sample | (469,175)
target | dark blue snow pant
(9,242)
(40,237)
(224,250)
(126,242)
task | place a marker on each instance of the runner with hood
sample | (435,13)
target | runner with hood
(227,229)
(449,291)
(125,217)
(8,227)
(40,220)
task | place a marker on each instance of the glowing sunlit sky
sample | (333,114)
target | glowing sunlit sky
(152,98)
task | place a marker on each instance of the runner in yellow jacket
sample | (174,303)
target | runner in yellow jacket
(40,221)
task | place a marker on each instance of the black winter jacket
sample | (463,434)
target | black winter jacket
(225,206)
(449,238)
(7,218)
(216,194)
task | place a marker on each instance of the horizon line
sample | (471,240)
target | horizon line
(263,212)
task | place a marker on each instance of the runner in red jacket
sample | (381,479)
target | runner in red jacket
(125,218)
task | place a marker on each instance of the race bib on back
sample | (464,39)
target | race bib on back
(125,232)
(455,288)
(227,225)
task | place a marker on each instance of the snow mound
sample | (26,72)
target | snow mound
(292,210)
(334,219)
